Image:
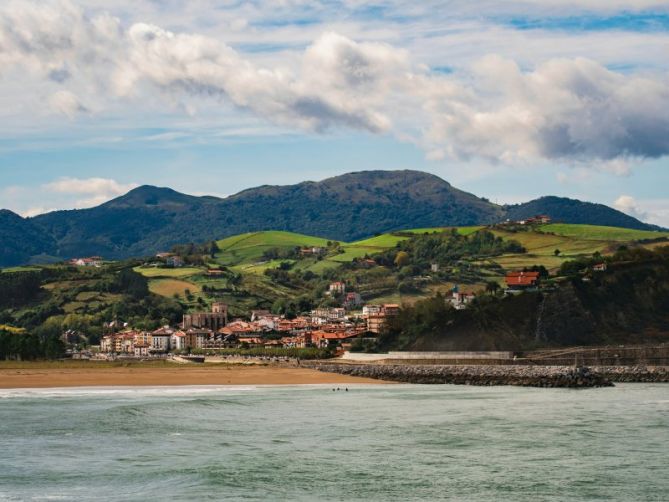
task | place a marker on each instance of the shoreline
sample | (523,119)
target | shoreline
(71,374)
(38,377)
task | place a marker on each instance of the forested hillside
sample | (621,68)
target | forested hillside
(345,208)
(628,303)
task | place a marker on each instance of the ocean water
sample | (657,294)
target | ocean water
(385,442)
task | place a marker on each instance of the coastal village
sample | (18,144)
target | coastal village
(333,328)
(336,328)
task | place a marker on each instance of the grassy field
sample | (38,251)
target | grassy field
(249,248)
(244,252)
(541,249)
(370,246)
(378,241)
(168,272)
(539,243)
(20,269)
(461,230)
(170,287)
(594,232)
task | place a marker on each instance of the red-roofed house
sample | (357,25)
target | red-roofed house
(323,339)
(520,281)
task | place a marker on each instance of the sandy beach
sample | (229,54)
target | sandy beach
(35,375)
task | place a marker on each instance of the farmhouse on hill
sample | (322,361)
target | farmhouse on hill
(521,281)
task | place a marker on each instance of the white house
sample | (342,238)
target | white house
(368,310)
(337,288)
(461,300)
(178,340)
(160,340)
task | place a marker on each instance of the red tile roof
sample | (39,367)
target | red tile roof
(522,278)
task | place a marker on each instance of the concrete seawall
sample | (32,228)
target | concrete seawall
(527,376)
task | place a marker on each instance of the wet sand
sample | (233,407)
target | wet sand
(27,377)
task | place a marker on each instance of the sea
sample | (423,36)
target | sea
(309,443)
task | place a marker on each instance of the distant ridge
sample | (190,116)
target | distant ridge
(576,211)
(21,238)
(348,207)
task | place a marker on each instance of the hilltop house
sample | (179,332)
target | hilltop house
(540,219)
(174,261)
(93,261)
(312,251)
(521,281)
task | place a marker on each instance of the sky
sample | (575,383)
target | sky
(510,100)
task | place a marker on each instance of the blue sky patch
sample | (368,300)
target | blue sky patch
(625,22)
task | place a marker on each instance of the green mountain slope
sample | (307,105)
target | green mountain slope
(260,268)
(346,208)
(575,211)
(20,239)
(250,247)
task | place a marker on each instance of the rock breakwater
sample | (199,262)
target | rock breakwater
(527,376)
(634,374)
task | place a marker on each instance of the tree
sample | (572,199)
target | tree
(131,283)
(213,249)
(557,252)
(401,259)
(492,287)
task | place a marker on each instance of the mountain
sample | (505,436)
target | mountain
(20,239)
(576,211)
(357,205)
(348,207)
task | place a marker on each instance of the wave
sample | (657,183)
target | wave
(174,390)
(125,392)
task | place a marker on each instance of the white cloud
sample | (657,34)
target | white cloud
(36,210)
(95,191)
(657,211)
(572,110)
(628,204)
(66,103)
